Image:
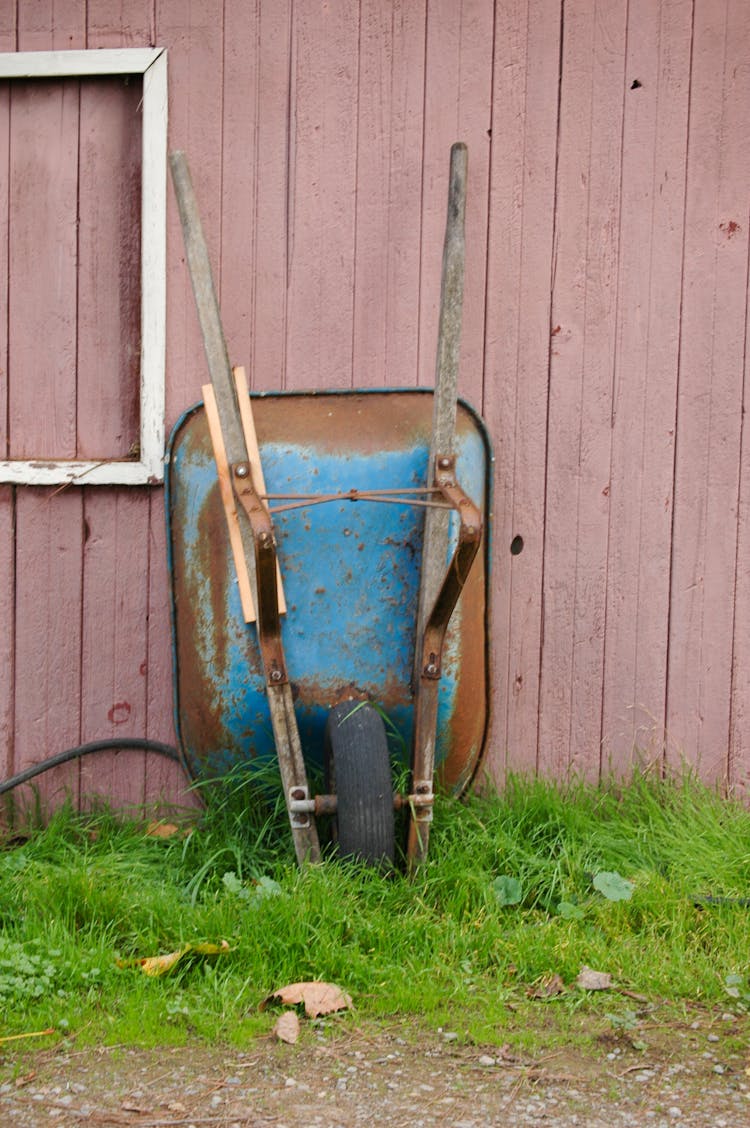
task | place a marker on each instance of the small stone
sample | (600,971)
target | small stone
(450,1036)
(713,1038)
(290,1083)
(719,1068)
(485,1059)
(674,1112)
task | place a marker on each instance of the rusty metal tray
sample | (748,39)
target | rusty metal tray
(350,573)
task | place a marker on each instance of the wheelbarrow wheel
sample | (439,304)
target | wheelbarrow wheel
(358,769)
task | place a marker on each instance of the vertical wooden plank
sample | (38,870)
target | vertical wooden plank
(644,392)
(115,647)
(115,622)
(194,37)
(739,746)
(4,258)
(7,493)
(42,269)
(323,142)
(121,23)
(272,188)
(236,283)
(48,523)
(581,364)
(522,194)
(7,630)
(710,394)
(48,634)
(388,206)
(164,780)
(109,247)
(458,98)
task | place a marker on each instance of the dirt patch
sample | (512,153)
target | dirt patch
(690,1074)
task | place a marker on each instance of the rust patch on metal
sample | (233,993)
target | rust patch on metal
(348,422)
(468,722)
(200,701)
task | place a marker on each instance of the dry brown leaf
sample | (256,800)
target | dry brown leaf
(162,829)
(25,1080)
(549,987)
(287,1027)
(318,998)
(591,980)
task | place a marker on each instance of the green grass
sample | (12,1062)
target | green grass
(88,889)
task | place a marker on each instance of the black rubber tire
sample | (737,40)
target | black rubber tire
(358,769)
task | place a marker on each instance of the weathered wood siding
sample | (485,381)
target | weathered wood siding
(605,341)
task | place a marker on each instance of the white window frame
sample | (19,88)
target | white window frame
(151,62)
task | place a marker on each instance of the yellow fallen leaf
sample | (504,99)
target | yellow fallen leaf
(287,1027)
(160,965)
(318,998)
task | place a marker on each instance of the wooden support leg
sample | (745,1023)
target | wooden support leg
(435,546)
(283,719)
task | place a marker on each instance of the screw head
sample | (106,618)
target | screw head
(276,675)
(241,470)
(430,668)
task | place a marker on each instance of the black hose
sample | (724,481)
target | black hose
(134,742)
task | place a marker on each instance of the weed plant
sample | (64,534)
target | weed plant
(506,900)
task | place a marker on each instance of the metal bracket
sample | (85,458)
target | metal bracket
(469,539)
(422,800)
(300,807)
(264,543)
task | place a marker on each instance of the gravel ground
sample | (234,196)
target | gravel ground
(691,1076)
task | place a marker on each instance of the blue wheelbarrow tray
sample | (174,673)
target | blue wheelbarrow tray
(350,572)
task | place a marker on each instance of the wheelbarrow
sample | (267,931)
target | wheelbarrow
(329,580)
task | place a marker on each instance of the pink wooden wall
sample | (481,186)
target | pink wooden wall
(605,336)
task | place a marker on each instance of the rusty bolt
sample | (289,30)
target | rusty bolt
(430,668)
(444,463)
(446,482)
(298,793)
(423,789)
(276,676)
(241,470)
